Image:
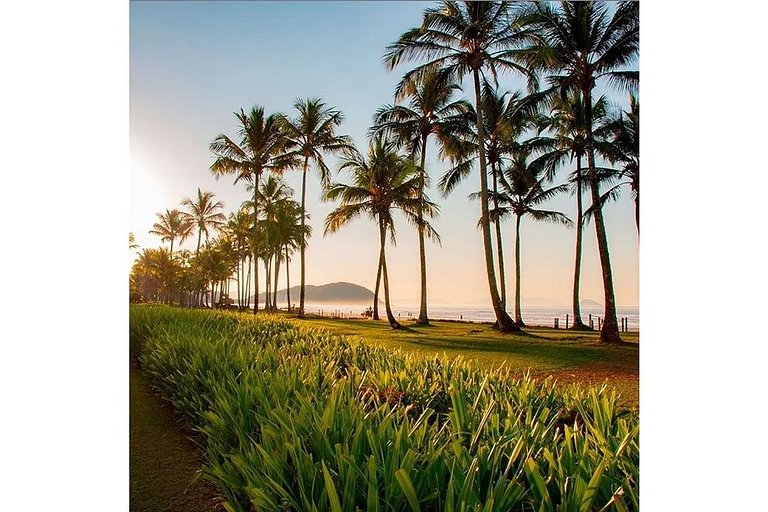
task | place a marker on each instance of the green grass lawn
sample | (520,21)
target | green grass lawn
(570,357)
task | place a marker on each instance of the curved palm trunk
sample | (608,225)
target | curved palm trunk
(303,243)
(255,254)
(199,237)
(518,309)
(578,325)
(390,316)
(499,246)
(503,320)
(376,291)
(288,278)
(423,318)
(610,330)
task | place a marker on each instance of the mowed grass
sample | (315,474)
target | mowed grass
(571,357)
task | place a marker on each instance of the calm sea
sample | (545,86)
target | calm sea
(533,316)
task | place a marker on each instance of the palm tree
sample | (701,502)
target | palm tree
(172,225)
(580,43)
(145,281)
(429,111)
(132,241)
(506,116)
(288,235)
(381,182)
(312,134)
(566,144)
(624,148)
(238,228)
(457,39)
(272,193)
(261,145)
(205,214)
(522,192)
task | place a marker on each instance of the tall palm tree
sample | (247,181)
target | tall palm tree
(311,135)
(522,192)
(429,111)
(566,144)
(381,182)
(506,116)
(205,212)
(172,225)
(458,39)
(579,43)
(261,146)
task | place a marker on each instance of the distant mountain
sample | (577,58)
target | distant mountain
(589,303)
(332,293)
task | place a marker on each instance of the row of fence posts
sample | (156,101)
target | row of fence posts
(336,313)
(624,322)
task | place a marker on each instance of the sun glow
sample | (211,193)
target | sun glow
(146,200)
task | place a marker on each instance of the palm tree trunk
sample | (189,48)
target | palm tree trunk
(277,274)
(255,241)
(376,291)
(637,212)
(503,320)
(499,246)
(199,236)
(267,272)
(303,227)
(288,278)
(239,278)
(423,318)
(518,287)
(383,239)
(578,325)
(248,284)
(610,330)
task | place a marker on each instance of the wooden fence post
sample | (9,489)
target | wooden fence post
(566,320)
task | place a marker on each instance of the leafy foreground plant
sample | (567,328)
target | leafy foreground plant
(295,419)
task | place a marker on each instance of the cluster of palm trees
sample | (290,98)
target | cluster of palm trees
(520,141)
(569,46)
(232,246)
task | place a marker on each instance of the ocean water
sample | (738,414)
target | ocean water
(533,316)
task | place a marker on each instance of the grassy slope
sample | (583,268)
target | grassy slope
(571,357)
(163,460)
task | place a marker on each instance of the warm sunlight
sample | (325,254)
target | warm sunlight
(371,234)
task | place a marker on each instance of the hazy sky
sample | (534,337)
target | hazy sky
(192,64)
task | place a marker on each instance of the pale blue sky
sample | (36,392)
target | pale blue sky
(194,63)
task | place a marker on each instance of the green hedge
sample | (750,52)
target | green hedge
(295,419)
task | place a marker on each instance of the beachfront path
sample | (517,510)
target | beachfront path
(164,461)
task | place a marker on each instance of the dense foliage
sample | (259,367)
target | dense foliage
(295,419)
